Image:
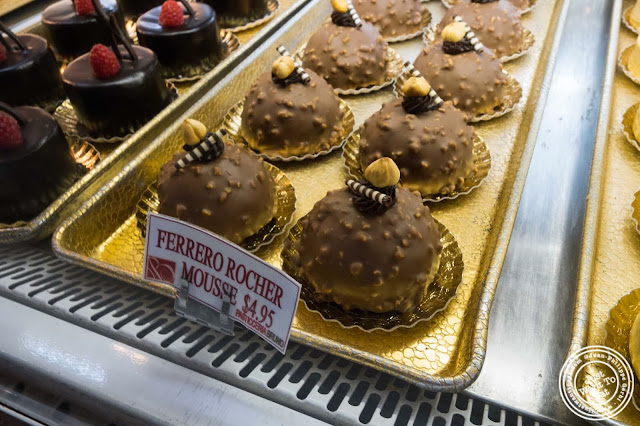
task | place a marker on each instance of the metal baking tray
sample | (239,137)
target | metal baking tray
(610,261)
(115,156)
(444,354)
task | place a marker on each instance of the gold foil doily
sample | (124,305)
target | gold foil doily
(528,39)
(86,155)
(66,116)
(438,294)
(233,122)
(618,329)
(481,163)
(532,4)
(512,96)
(236,25)
(623,60)
(627,125)
(426,20)
(626,15)
(286,207)
(394,69)
(230,44)
(635,211)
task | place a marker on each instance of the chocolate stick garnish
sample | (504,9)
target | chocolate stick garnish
(299,69)
(12,36)
(212,143)
(354,14)
(344,14)
(411,69)
(409,105)
(372,194)
(187,6)
(12,112)
(470,35)
(115,31)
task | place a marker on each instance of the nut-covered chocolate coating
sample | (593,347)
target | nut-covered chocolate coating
(348,57)
(376,263)
(508,5)
(233,195)
(497,29)
(433,150)
(296,119)
(473,81)
(393,18)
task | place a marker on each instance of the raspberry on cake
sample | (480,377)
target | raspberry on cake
(104,63)
(171,14)
(10,135)
(3,53)
(73,27)
(115,90)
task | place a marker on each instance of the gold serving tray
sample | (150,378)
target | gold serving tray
(115,156)
(445,353)
(610,259)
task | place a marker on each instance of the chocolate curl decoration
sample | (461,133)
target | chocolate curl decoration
(350,18)
(470,35)
(12,36)
(302,74)
(116,33)
(209,149)
(370,200)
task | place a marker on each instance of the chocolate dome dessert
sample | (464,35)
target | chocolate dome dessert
(237,11)
(73,28)
(498,29)
(346,52)
(29,74)
(393,18)
(36,164)
(508,5)
(185,37)
(429,140)
(117,89)
(134,8)
(228,191)
(472,79)
(285,115)
(374,252)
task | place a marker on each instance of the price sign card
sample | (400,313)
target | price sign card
(261,297)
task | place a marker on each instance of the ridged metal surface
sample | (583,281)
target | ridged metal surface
(305,379)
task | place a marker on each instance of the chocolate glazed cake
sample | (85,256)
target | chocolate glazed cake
(36,167)
(393,18)
(73,32)
(29,74)
(365,255)
(115,91)
(187,49)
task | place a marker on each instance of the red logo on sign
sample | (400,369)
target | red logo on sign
(161,270)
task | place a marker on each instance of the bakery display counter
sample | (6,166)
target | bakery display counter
(134,344)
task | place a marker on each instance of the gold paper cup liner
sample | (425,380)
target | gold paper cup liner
(87,156)
(286,207)
(394,69)
(242,24)
(438,294)
(627,125)
(230,43)
(66,116)
(233,122)
(635,212)
(528,40)
(623,60)
(481,163)
(426,20)
(618,329)
(532,4)
(512,97)
(626,15)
